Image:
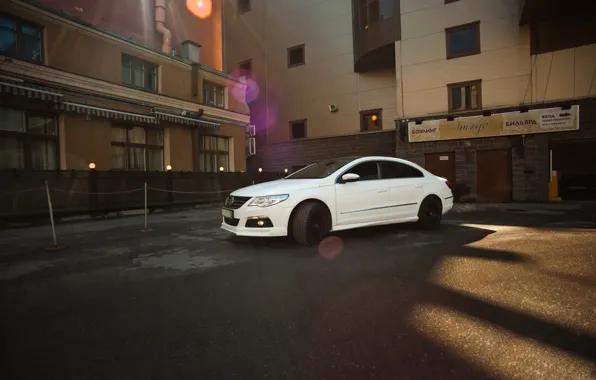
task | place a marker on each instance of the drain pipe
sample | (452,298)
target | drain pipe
(160,26)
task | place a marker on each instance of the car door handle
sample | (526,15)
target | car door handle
(419,186)
(382,191)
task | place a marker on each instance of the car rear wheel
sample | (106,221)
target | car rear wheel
(430,213)
(310,223)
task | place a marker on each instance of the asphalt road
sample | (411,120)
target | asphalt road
(505,294)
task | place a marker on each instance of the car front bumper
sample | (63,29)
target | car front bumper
(245,216)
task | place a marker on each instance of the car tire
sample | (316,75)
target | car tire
(310,223)
(430,213)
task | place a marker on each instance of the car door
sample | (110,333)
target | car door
(405,186)
(364,200)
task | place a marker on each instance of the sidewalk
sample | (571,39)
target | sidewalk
(533,208)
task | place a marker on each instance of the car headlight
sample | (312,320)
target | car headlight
(268,201)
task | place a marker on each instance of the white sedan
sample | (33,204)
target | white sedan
(339,194)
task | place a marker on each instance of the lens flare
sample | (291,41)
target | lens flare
(331,247)
(199,8)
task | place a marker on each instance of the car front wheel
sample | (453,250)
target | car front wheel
(310,223)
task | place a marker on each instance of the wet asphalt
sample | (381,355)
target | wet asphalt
(498,294)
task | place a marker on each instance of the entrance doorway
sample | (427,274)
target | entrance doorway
(442,165)
(575,163)
(493,173)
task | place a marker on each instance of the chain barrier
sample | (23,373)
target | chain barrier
(145,189)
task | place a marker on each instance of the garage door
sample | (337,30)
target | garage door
(493,173)
(575,163)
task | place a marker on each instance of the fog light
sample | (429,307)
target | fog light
(260,223)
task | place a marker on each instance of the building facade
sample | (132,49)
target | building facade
(85,84)
(493,94)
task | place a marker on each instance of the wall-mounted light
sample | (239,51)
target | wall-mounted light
(221,168)
(260,170)
(92,165)
(374,117)
(169,167)
(286,170)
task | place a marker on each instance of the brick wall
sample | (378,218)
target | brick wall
(530,164)
(279,156)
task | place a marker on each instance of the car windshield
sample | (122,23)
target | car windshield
(321,169)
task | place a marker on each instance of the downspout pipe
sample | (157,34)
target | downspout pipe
(160,26)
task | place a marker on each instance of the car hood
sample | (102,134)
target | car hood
(281,186)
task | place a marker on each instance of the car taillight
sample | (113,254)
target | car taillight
(448,184)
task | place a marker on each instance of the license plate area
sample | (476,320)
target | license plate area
(227,213)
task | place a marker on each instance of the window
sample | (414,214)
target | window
(366,170)
(371,120)
(213,94)
(20,39)
(463,40)
(298,129)
(28,140)
(243,6)
(296,56)
(246,68)
(390,170)
(139,73)
(369,12)
(214,154)
(137,148)
(321,169)
(465,96)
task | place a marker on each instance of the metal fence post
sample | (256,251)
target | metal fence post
(55,240)
(145,206)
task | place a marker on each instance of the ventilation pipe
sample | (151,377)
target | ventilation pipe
(160,25)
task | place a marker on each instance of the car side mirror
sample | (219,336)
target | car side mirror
(350,177)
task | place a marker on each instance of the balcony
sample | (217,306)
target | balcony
(376,27)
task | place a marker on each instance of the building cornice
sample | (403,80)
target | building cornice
(59,78)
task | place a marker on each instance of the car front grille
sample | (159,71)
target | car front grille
(235,202)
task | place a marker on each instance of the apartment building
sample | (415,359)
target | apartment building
(309,98)
(88,84)
(495,95)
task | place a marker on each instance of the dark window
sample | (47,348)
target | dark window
(139,73)
(369,12)
(246,68)
(213,94)
(371,120)
(463,40)
(298,129)
(296,56)
(295,168)
(20,39)
(366,170)
(28,140)
(465,96)
(137,148)
(243,6)
(214,154)
(391,170)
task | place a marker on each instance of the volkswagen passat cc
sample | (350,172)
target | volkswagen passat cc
(339,194)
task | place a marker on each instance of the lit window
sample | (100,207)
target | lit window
(371,120)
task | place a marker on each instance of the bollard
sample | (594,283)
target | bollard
(55,246)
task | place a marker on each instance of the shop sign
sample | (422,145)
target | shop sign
(504,124)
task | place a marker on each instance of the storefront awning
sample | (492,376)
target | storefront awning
(107,113)
(185,120)
(29,90)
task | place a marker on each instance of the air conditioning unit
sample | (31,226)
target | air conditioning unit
(251,147)
(251,130)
